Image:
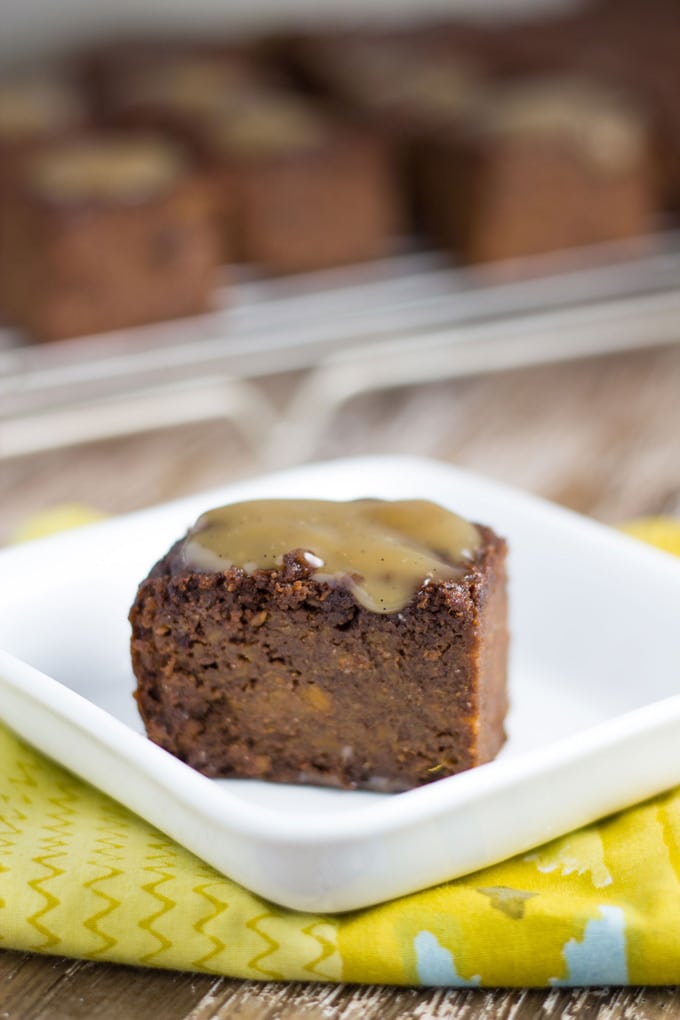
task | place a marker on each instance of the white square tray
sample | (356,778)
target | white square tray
(594,724)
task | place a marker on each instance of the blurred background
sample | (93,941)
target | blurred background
(46,28)
(237,237)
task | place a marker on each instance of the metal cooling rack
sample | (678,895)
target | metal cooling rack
(411,319)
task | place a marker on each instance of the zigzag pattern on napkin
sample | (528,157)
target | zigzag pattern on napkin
(106,854)
(24,767)
(219,906)
(10,833)
(93,922)
(50,938)
(325,934)
(255,963)
(95,869)
(165,868)
(55,846)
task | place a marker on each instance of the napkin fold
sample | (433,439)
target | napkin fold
(82,876)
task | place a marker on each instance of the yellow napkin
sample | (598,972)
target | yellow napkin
(82,876)
(57,518)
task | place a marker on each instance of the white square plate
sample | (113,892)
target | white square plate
(594,723)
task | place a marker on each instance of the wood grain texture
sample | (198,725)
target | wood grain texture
(598,436)
(39,988)
(42,988)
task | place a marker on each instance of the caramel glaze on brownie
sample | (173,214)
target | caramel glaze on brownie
(275,675)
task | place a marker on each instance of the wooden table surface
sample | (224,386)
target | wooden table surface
(600,436)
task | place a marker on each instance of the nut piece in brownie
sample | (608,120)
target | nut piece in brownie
(106,232)
(547,164)
(300,190)
(359,644)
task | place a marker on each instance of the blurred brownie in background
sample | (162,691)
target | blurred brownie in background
(295,190)
(547,164)
(34,110)
(399,81)
(406,88)
(109,231)
(300,189)
(544,43)
(639,47)
(632,45)
(144,79)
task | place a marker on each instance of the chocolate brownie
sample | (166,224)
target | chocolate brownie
(106,232)
(34,110)
(395,82)
(152,74)
(38,106)
(300,190)
(404,89)
(645,59)
(176,89)
(550,163)
(359,644)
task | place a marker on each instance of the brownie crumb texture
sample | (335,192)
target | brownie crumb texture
(275,674)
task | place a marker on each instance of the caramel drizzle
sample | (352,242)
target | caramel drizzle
(381,551)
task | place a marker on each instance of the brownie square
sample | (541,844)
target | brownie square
(404,88)
(311,669)
(546,165)
(35,109)
(300,191)
(108,232)
(146,80)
